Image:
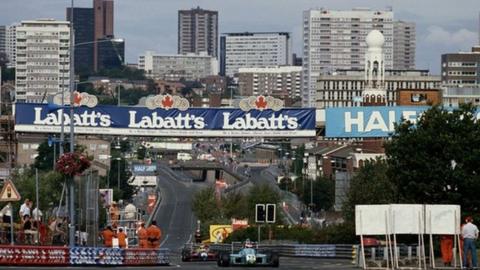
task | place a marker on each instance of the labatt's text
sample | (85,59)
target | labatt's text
(181,121)
(248,122)
(85,119)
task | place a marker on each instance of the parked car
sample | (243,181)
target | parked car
(184,156)
(208,157)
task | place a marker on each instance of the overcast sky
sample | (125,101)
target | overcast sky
(442,25)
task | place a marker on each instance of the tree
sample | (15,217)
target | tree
(204,204)
(369,186)
(50,187)
(323,192)
(44,159)
(260,194)
(437,160)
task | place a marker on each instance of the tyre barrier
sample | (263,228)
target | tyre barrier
(62,256)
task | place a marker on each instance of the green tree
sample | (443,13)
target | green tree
(204,205)
(50,187)
(323,192)
(260,194)
(44,159)
(369,186)
(437,160)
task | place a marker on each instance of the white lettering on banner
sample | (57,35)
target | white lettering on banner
(410,116)
(376,122)
(178,122)
(349,121)
(391,120)
(92,119)
(248,122)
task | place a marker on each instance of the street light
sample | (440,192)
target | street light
(118,171)
(71,183)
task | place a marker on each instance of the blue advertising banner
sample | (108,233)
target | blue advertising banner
(357,122)
(141,121)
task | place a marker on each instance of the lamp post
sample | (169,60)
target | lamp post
(71,183)
(305,161)
(118,171)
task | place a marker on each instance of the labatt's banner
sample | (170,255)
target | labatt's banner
(191,122)
(357,122)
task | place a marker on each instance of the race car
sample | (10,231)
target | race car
(197,252)
(248,256)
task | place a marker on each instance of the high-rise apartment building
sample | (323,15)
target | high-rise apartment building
(462,68)
(11,44)
(335,39)
(83,25)
(3,40)
(111,53)
(198,31)
(103,24)
(281,82)
(404,40)
(175,67)
(253,50)
(43,64)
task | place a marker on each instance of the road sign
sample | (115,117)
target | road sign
(9,193)
(265,213)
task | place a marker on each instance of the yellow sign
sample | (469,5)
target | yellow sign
(9,193)
(218,233)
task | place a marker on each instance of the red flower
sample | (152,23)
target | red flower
(71,164)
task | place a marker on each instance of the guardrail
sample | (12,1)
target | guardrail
(300,250)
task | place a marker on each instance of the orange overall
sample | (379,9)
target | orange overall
(154,235)
(142,238)
(446,247)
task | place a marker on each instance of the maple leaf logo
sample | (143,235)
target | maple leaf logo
(167,102)
(77,98)
(261,103)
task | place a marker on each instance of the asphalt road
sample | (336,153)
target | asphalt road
(285,263)
(175,217)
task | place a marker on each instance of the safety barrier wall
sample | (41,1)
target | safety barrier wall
(300,250)
(61,256)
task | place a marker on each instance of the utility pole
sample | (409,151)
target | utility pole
(71,182)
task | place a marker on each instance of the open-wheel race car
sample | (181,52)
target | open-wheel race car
(249,255)
(198,252)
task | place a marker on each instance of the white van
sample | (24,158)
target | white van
(184,156)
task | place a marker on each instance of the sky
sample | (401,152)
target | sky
(443,26)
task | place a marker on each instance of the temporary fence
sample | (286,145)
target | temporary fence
(61,256)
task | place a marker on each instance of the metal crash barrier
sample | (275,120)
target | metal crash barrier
(62,256)
(302,250)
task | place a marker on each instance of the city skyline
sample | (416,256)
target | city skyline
(152,25)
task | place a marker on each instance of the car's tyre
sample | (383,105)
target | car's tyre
(275,260)
(224,260)
(185,257)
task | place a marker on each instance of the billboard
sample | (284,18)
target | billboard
(192,122)
(218,233)
(378,121)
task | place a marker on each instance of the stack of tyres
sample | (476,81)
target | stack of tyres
(96,256)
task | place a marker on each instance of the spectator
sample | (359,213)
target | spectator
(25,209)
(114,212)
(37,214)
(29,230)
(59,236)
(470,235)
(122,238)
(6,213)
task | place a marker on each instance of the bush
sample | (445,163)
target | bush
(337,234)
